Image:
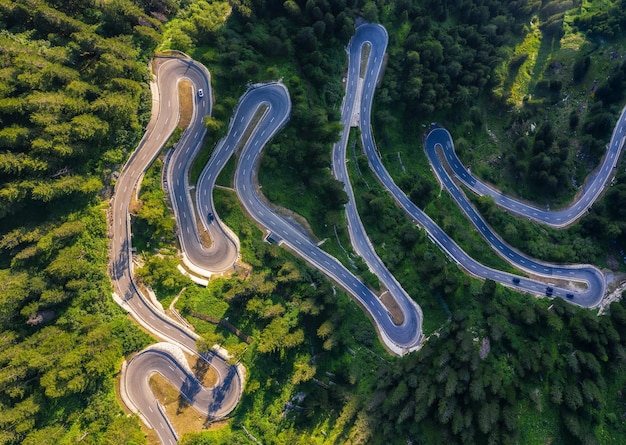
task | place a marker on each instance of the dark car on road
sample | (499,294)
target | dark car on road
(549,291)
(570,296)
(515,280)
(210,217)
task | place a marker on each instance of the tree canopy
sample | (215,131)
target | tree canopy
(72,88)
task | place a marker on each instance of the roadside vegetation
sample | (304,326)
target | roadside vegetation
(585,242)
(383,405)
(307,336)
(153,223)
(559,95)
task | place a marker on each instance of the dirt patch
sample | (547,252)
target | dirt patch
(553,281)
(183,416)
(135,204)
(204,372)
(152,437)
(203,234)
(299,221)
(185,98)
(397,316)
(382,70)
(296,218)
(365,56)
(615,294)
(251,127)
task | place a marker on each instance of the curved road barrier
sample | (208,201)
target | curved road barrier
(563,276)
(592,187)
(165,114)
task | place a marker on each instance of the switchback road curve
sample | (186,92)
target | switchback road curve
(591,189)
(592,276)
(412,313)
(163,121)
(376,36)
(262,111)
(272,100)
(223,251)
(169,362)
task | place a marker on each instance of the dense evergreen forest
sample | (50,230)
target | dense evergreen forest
(499,367)
(73,99)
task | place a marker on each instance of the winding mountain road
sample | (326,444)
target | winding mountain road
(165,112)
(261,112)
(169,362)
(591,189)
(410,331)
(589,276)
(275,98)
(223,252)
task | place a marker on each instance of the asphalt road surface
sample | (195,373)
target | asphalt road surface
(163,121)
(272,100)
(591,189)
(411,329)
(207,401)
(590,276)
(223,251)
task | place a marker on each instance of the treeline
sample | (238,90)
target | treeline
(606,221)
(69,95)
(583,242)
(604,22)
(63,339)
(469,385)
(72,80)
(305,341)
(602,229)
(153,224)
(435,68)
(544,160)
